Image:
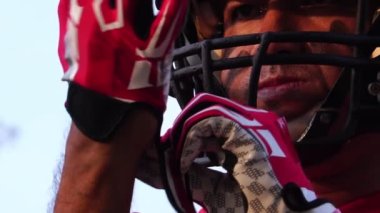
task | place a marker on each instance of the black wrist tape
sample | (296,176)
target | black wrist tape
(98,116)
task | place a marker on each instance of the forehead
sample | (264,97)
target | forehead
(310,5)
(296,1)
(372,3)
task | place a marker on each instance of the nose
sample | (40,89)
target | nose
(281,18)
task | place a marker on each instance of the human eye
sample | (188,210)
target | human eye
(247,12)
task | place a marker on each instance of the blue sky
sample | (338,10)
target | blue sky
(32,98)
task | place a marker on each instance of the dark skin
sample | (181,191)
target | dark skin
(99,177)
(291,94)
(116,37)
(105,172)
(295,91)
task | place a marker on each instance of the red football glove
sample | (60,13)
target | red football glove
(101,50)
(263,171)
(118,49)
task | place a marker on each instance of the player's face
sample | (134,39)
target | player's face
(289,90)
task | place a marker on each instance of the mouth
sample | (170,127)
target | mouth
(279,88)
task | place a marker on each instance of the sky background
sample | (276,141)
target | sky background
(33,121)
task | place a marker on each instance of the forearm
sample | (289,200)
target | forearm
(99,177)
(109,74)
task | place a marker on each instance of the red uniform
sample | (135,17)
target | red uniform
(365,204)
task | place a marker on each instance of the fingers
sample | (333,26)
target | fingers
(109,14)
(214,189)
(168,22)
(152,35)
(171,15)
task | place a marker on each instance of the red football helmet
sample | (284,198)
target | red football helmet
(351,107)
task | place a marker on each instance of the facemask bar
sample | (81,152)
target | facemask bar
(362,106)
(336,120)
(208,65)
(205,70)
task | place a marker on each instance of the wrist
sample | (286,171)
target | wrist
(98,116)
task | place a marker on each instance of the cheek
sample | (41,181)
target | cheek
(330,75)
(339,24)
(236,83)
(241,28)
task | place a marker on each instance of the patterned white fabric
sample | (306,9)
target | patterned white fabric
(252,174)
(253,146)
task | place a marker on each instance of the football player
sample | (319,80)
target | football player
(313,63)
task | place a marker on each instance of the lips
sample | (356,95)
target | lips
(279,88)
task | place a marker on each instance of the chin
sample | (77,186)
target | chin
(291,110)
(298,117)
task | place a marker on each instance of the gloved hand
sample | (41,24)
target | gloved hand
(263,171)
(116,53)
